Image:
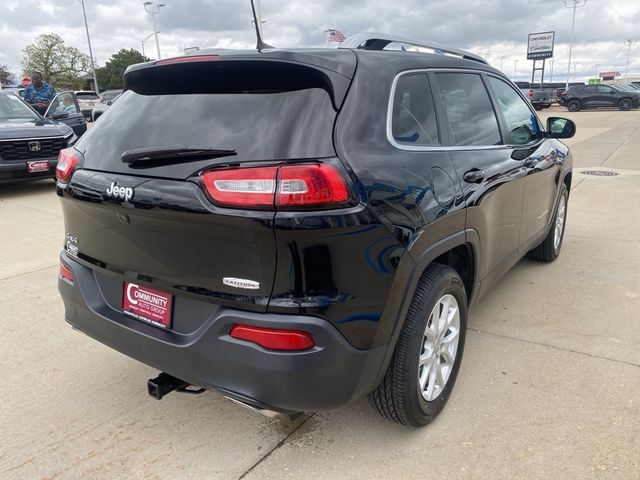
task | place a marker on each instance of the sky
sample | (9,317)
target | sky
(495,29)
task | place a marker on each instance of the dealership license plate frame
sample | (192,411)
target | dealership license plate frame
(38,166)
(147,307)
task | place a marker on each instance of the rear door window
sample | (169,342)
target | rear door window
(521,122)
(470,114)
(413,118)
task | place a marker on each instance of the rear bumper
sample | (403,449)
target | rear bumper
(330,375)
(16,171)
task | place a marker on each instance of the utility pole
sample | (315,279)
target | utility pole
(628,42)
(572,4)
(551,62)
(154,11)
(93,66)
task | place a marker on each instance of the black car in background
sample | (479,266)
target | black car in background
(580,97)
(298,228)
(29,142)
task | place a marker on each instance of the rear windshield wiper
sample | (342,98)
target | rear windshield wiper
(155,156)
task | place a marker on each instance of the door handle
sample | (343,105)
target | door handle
(474,175)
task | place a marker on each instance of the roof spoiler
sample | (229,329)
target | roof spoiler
(378,41)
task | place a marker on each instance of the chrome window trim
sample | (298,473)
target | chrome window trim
(440,148)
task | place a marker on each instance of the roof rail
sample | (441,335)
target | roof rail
(378,41)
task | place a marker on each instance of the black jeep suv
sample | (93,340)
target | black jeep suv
(580,97)
(298,228)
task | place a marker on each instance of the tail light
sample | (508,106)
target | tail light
(287,186)
(67,162)
(273,338)
(531,93)
(65,274)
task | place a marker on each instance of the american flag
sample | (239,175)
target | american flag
(334,35)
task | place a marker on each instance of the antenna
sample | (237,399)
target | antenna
(260,45)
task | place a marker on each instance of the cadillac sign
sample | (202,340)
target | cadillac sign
(540,45)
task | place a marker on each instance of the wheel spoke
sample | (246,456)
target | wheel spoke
(447,356)
(439,376)
(432,380)
(424,375)
(425,357)
(444,314)
(453,335)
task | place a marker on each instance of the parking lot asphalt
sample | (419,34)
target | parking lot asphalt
(549,385)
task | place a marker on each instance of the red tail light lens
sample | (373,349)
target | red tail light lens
(311,185)
(274,339)
(297,185)
(252,187)
(531,93)
(65,273)
(67,162)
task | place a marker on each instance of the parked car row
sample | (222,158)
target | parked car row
(30,142)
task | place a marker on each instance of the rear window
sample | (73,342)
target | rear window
(259,125)
(87,96)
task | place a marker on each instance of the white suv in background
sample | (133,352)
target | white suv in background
(87,99)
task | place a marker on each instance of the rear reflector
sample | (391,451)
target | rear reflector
(188,59)
(68,159)
(295,185)
(274,339)
(65,273)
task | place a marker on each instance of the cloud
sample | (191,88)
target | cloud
(498,28)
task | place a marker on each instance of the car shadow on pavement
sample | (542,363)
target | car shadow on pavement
(25,189)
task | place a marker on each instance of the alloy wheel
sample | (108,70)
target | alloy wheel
(559,226)
(439,347)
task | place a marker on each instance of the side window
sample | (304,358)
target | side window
(604,89)
(413,120)
(521,121)
(469,111)
(64,102)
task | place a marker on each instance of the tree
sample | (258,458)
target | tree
(6,77)
(110,76)
(60,65)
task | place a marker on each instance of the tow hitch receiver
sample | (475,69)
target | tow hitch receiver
(165,383)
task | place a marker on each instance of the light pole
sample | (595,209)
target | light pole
(145,41)
(628,42)
(154,11)
(597,70)
(501,59)
(515,71)
(572,4)
(551,62)
(93,67)
(575,64)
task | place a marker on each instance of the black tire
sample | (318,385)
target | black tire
(398,397)
(547,251)
(625,104)
(573,105)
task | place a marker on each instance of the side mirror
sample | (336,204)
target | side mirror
(60,115)
(559,127)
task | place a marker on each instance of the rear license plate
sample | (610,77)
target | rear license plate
(147,304)
(42,166)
